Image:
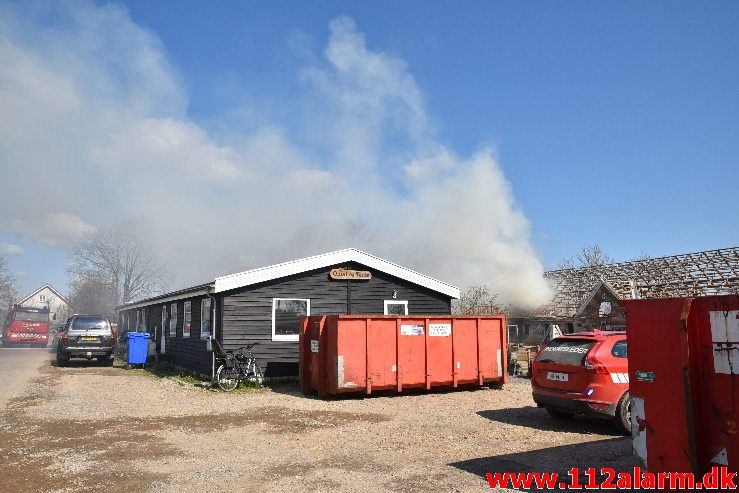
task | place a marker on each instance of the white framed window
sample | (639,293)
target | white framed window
(285,317)
(42,298)
(187,319)
(164,319)
(173,320)
(396,307)
(205,318)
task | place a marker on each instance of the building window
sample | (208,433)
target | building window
(187,319)
(395,307)
(42,298)
(164,319)
(285,321)
(173,320)
(205,318)
(141,320)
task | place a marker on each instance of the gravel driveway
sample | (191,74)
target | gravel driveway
(108,429)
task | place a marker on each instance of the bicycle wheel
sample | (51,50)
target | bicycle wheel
(227,378)
(255,374)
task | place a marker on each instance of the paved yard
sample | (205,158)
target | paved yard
(92,428)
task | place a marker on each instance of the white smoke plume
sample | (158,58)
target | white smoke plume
(95,122)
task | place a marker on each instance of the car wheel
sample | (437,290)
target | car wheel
(61,360)
(559,414)
(105,360)
(622,421)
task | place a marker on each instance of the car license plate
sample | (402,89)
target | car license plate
(559,377)
(88,338)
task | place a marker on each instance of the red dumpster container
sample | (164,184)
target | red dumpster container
(363,353)
(683,367)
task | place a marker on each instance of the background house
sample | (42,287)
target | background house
(48,297)
(578,293)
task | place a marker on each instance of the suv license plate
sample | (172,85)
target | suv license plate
(559,377)
(83,338)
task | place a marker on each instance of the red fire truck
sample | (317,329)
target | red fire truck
(26,326)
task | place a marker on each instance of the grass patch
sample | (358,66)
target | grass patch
(155,370)
(185,377)
(246,386)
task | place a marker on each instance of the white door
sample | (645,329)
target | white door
(161,331)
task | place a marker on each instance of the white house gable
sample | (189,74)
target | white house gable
(47,296)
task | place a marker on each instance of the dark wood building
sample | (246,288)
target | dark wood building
(263,305)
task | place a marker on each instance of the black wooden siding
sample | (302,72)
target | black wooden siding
(369,296)
(247,312)
(247,316)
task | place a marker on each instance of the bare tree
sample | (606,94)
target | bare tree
(116,261)
(92,296)
(478,300)
(7,290)
(589,256)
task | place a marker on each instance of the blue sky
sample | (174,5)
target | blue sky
(612,122)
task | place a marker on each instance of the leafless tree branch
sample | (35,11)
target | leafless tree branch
(112,267)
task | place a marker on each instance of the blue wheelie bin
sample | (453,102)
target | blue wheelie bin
(138,348)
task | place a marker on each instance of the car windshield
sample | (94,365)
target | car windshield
(566,351)
(90,323)
(32,316)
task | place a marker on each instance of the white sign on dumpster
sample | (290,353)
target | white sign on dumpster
(314,345)
(440,330)
(411,330)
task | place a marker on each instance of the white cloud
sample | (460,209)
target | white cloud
(10,249)
(59,229)
(364,170)
(172,147)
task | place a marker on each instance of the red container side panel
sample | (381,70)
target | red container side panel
(683,367)
(716,320)
(658,352)
(354,353)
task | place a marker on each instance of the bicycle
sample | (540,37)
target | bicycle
(234,367)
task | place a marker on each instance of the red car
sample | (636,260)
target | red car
(584,373)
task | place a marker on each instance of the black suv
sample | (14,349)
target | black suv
(86,336)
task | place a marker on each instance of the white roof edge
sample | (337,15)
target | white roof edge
(262,274)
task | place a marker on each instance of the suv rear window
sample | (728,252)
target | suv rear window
(566,351)
(85,323)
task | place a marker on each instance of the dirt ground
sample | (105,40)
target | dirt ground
(91,428)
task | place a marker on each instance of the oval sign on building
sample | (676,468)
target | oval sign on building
(350,274)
